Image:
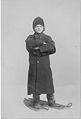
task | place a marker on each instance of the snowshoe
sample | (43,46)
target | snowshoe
(29,103)
(44,105)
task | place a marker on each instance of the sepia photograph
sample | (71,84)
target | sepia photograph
(40,59)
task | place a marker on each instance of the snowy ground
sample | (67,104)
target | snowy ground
(13,107)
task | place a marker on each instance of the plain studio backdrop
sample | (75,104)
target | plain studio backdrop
(62,23)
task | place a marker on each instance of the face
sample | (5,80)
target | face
(38,28)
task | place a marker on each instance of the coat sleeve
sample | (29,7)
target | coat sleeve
(31,43)
(49,47)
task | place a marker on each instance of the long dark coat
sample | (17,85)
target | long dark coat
(40,79)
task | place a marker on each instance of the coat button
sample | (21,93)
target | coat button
(37,61)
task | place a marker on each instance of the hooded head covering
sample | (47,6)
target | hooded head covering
(38,20)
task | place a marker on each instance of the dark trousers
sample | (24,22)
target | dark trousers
(36,97)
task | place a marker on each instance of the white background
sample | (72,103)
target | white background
(62,23)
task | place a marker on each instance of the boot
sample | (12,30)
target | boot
(51,99)
(36,100)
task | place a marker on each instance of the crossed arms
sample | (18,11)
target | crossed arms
(45,46)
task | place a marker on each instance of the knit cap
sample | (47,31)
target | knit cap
(37,21)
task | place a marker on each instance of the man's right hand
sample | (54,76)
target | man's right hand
(44,42)
(36,48)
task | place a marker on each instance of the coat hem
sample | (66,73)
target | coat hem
(42,93)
